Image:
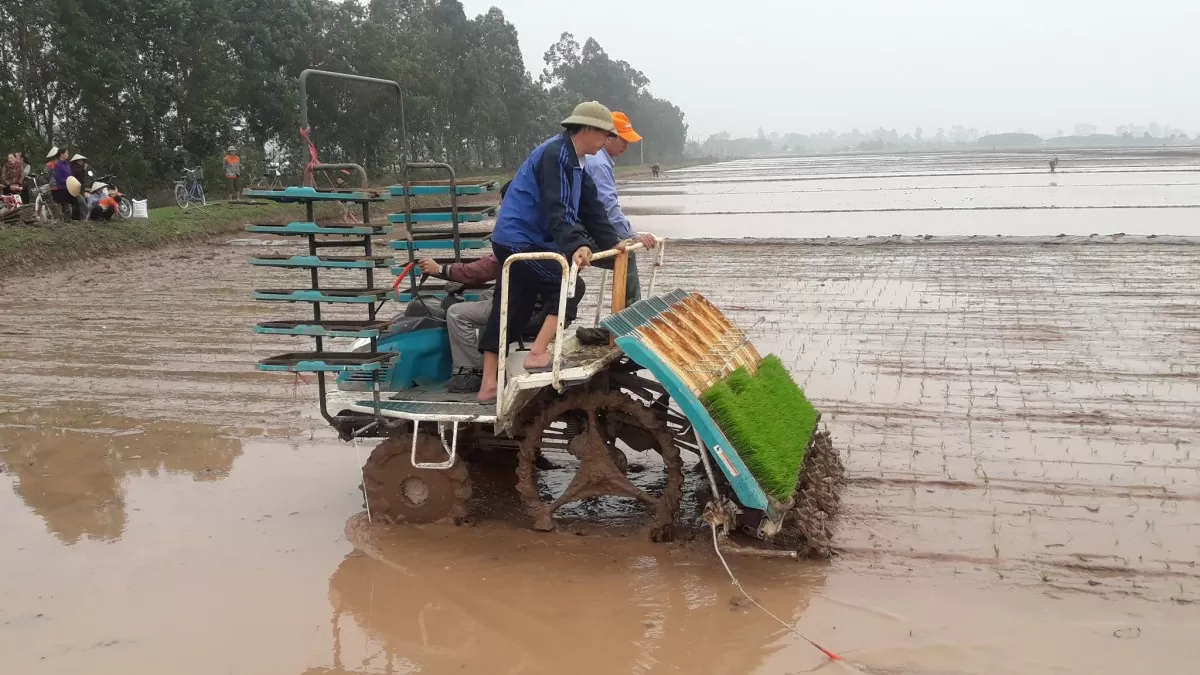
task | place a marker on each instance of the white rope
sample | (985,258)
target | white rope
(362,474)
(830,655)
(739,584)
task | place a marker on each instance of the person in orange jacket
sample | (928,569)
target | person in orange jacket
(233,174)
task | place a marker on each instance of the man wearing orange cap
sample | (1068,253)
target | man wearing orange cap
(600,167)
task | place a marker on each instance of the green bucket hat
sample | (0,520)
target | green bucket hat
(592,114)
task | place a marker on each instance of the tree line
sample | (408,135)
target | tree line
(146,87)
(955,138)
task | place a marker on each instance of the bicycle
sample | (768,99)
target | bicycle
(188,189)
(43,206)
(271,179)
(45,209)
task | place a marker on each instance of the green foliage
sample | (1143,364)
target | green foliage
(769,421)
(147,87)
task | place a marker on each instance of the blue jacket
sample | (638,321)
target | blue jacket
(600,168)
(552,204)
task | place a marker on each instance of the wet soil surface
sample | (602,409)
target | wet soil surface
(1019,425)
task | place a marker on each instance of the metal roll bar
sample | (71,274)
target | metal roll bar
(392,84)
(309,72)
(570,273)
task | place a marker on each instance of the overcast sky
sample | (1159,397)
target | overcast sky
(808,66)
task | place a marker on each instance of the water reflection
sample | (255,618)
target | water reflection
(501,599)
(69,463)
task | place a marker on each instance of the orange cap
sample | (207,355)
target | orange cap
(625,127)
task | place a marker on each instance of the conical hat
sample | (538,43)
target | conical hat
(53,153)
(97,186)
(73,186)
(78,157)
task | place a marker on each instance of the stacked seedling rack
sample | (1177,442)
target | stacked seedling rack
(321,237)
(436,228)
(428,231)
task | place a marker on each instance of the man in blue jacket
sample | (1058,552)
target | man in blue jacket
(551,206)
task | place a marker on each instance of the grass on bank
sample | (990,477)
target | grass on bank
(29,249)
(768,420)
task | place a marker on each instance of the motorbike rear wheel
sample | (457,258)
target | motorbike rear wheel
(125,208)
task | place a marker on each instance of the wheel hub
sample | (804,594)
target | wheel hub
(414,490)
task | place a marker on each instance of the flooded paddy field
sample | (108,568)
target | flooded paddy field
(936,194)
(1020,424)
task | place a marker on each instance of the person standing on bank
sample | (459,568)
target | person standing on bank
(600,168)
(79,171)
(233,174)
(551,206)
(61,171)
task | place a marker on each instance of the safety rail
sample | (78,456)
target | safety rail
(660,255)
(570,273)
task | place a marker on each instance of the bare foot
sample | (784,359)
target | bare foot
(487,393)
(536,360)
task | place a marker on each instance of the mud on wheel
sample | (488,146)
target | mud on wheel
(602,418)
(808,525)
(397,492)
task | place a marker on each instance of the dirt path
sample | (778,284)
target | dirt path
(1019,423)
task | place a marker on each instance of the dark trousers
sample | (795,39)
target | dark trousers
(101,213)
(529,281)
(65,200)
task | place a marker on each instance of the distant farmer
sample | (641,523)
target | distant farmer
(79,171)
(60,171)
(655,169)
(26,179)
(101,205)
(600,168)
(233,174)
(11,180)
(1053,164)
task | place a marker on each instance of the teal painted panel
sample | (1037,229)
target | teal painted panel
(317,366)
(419,188)
(748,491)
(407,296)
(437,244)
(303,295)
(302,228)
(439,216)
(319,331)
(309,261)
(308,194)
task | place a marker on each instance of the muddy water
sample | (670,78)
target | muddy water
(1019,423)
(986,194)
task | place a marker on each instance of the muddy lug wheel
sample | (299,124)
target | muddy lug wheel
(808,525)
(599,473)
(397,492)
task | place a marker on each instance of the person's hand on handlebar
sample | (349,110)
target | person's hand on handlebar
(430,266)
(646,239)
(582,256)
